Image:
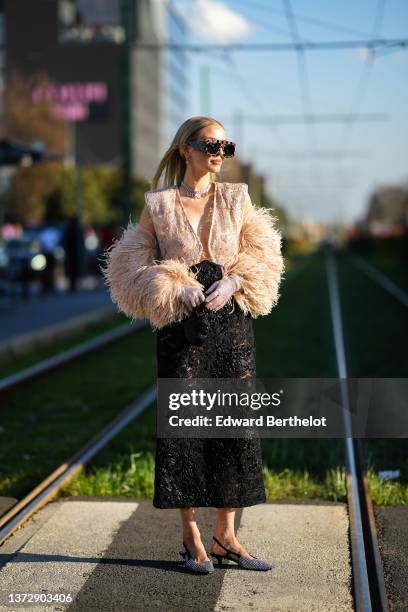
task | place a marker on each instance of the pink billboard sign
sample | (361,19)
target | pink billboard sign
(71,101)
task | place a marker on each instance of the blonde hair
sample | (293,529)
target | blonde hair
(173,164)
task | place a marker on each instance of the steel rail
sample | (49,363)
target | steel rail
(380,278)
(368,578)
(50,486)
(75,352)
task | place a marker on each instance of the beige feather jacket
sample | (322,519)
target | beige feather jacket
(145,270)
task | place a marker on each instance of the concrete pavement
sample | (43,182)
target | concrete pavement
(121,554)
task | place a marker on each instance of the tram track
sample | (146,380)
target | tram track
(50,486)
(75,352)
(368,577)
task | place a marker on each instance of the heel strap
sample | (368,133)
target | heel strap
(219,543)
(187,551)
(217,556)
(232,552)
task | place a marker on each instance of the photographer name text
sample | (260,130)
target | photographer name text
(229,421)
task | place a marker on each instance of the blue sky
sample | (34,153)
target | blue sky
(268,83)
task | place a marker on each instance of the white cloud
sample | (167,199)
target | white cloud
(214,21)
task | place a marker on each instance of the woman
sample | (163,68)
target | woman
(200,265)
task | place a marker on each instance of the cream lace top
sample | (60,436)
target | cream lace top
(200,228)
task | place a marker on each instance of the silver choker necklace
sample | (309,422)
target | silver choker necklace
(196,193)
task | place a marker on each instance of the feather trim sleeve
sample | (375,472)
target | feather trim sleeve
(259,264)
(142,285)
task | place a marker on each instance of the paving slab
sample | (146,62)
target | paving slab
(308,546)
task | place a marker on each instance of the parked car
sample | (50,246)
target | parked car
(41,253)
(32,256)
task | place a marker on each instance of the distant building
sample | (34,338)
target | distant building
(176,82)
(160,24)
(234,171)
(2,59)
(388,211)
(77,44)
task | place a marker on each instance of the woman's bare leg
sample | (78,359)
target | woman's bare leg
(191,535)
(225,532)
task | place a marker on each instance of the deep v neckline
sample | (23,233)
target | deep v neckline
(195,234)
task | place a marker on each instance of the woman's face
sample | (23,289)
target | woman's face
(199,161)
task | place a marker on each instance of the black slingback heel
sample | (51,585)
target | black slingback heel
(205,567)
(250,563)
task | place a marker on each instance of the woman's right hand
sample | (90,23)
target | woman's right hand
(191,296)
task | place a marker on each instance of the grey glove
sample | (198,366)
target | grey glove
(220,292)
(191,296)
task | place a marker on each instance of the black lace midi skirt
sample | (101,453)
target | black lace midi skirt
(201,472)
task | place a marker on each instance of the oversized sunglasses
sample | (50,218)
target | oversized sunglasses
(213,147)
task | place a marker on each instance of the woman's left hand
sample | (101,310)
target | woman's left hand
(218,294)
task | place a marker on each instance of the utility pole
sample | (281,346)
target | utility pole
(126,105)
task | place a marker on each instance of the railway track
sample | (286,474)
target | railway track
(368,580)
(50,486)
(57,361)
(368,577)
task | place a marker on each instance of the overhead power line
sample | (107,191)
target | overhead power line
(298,46)
(300,17)
(304,85)
(361,89)
(366,72)
(322,154)
(317,118)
